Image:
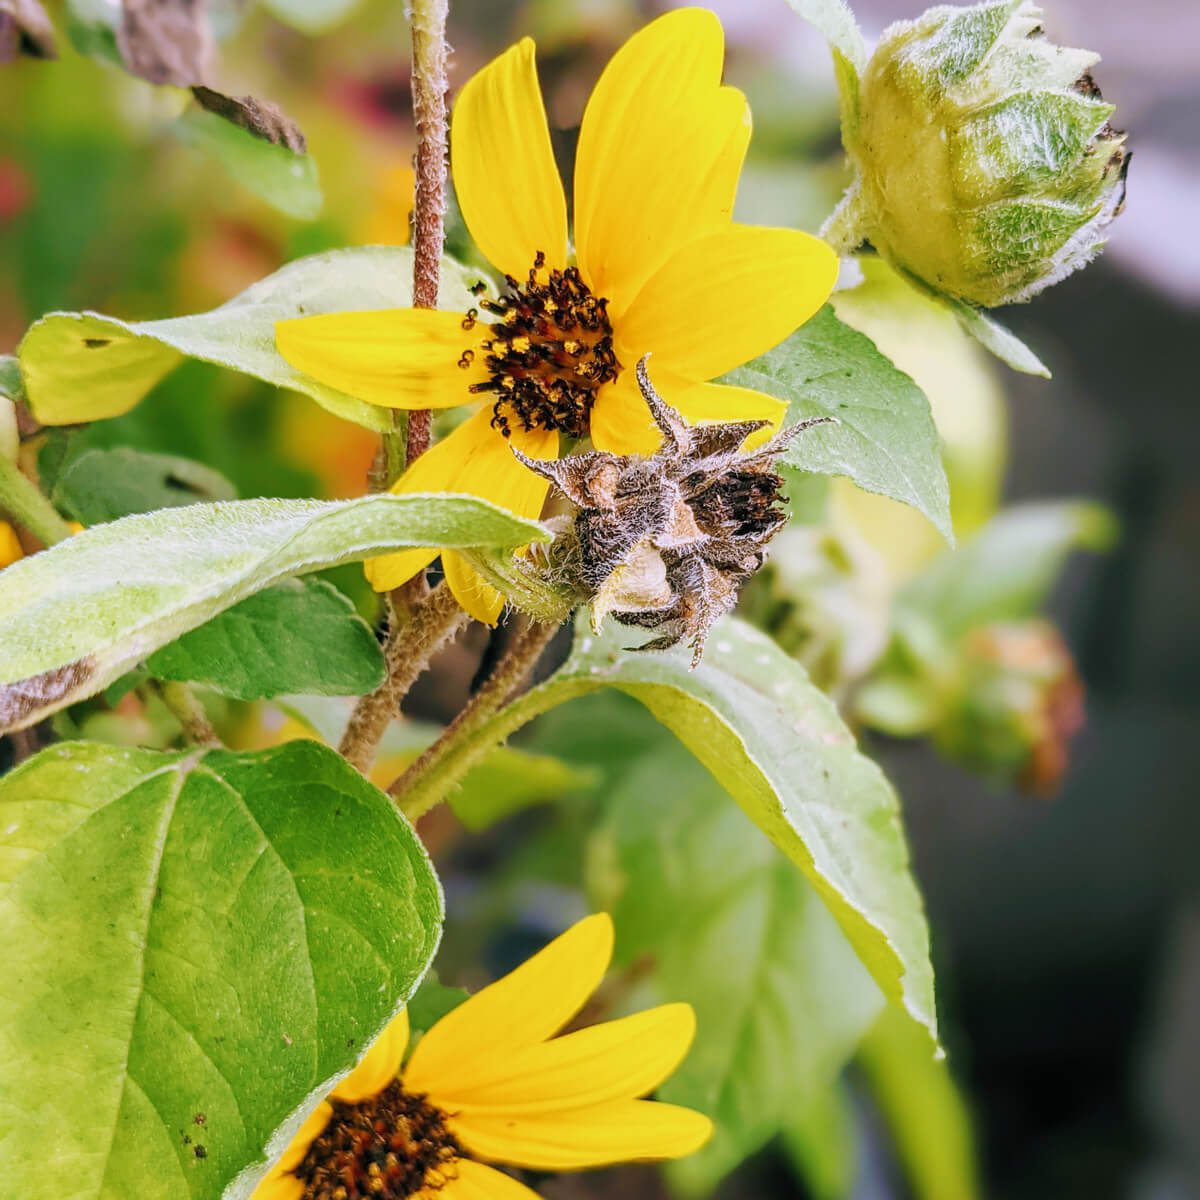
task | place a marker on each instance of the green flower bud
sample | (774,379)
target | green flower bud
(986,167)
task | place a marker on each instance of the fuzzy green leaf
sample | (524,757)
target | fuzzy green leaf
(76,616)
(1001,342)
(886,440)
(196,946)
(781,999)
(285,180)
(776,743)
(84,366)
(301,635)
(103,485)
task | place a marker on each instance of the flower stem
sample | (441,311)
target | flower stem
(520,658)
(429,87)
(409,647)
(188,711)
(21,499)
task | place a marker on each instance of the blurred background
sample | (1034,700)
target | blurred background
(1065,914)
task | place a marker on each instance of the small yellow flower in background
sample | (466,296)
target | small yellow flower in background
(10,546)
(491,1081)
(659,267)
(389,222)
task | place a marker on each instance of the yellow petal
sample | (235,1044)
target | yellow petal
(10,545)
(626,1131)
(508,186)
(477,1182)
(527,1006)
(618,1060)
(660,150)
(279,1183)
(727,298)
(399,357)
(471,590)
(475,460)
(390,221)
(621,422)
(709,403)
(379,1066)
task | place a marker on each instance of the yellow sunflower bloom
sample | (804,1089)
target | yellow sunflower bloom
(490,1081)
(658,266)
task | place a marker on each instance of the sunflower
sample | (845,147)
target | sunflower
(658,265)
(490,1081)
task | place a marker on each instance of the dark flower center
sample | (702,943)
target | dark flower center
(549,352)
(388,1147)
(741,502)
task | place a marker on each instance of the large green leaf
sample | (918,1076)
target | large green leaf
(84,366)
(102,485)
(885,439)
(781,999)
(302,635)
(776,743)
(76,616)
(195,947)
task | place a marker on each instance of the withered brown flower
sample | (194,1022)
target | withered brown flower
(665,541)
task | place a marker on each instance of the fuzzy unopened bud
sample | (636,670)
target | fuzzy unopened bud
(986,166)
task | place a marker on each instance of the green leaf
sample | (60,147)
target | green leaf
(84,366)
(834,19)
(102,485)
(885,441)
(509,780)
(924,1111)
(781,999)
(1003,343)
(196,946)
(10,378)
(776,743)
(285,180)
(1006,571)
(301,635)
(76,616)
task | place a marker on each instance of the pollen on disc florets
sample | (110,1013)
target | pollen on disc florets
(390,1146)
(548,353)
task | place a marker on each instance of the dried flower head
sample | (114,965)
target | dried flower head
(665,541)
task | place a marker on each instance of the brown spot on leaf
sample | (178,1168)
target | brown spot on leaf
(258,117)
(166,41)
(97,343)
(25,29)
(28,700)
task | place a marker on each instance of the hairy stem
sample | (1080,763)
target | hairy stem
(188,711)
(409,647)
(510,673)
(429,87)
(21,499)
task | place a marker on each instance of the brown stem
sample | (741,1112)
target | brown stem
(429,87)
(188,711)
(409,647)
(510,673)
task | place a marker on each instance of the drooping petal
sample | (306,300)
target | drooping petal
(620,421)
(617,1060)
(279,1183)
(471,590)
(477,1182)
(397,357)
(508,186)
(475,460)
(660,150)
(625,1131)
(380,1064)
(727,298)
(521,1009)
